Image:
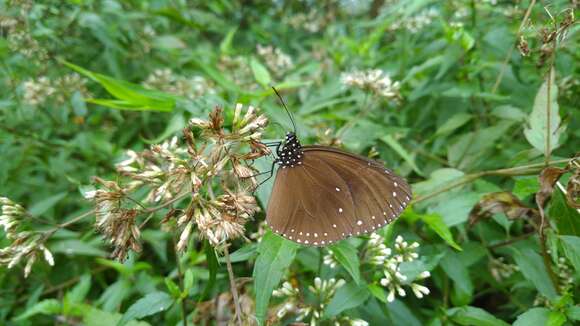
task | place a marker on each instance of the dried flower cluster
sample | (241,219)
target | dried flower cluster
(311,21)
(238,70)
(14,25)
(212,168)
(278,61)
(44,90)
(323,291)
(416,23)
(25,245)
(374,81)
(165,80)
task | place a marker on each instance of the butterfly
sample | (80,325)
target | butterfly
(322,194)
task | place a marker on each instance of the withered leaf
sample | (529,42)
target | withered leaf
(500,202)
(548,178)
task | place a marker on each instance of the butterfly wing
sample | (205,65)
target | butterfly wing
(334,195)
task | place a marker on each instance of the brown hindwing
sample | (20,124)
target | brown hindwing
(334,195)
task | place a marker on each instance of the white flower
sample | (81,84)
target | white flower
(419,290)
(374,80)
(329,259)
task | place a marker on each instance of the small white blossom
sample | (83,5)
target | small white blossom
(374,80)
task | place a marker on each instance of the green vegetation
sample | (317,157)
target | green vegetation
(129,132)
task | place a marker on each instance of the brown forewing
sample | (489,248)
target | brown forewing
(334,195)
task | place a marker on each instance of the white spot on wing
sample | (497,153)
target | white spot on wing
(337,189)
(359,222)
(340,210)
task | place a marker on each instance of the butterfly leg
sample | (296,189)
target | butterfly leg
(268,178)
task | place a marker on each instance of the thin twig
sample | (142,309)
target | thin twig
(180,278)
(518,170)
(510,241)
(509,54)
(233,286)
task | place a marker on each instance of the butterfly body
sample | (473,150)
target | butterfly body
(323,194)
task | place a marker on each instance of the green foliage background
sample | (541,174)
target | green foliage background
(449,126)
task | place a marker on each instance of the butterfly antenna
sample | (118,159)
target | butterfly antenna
(285,108)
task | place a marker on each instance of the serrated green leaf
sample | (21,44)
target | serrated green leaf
(347,256)
(275,254)
(151,304)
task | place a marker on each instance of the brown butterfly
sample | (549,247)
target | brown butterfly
(322,194)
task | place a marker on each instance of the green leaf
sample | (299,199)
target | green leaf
(76,247)
(275,254)
(526,186)
(571,247)
(565,217)
(347,297)
(187,283)
(458,272)
(243,254)
(226,44)
(378,292)
(456,121)
(80,291)
(347,256)
(174,126)
(212,266)
(399,311)
(435,222)
(474,316)
(150,304)
(42,206)
(534,316)
(556,318)
(45,307)
(397,147)
(128,96)
(261,74)
(97,317)
(573,313)
(532,266)
(173,288)
(543,122)
(470,149)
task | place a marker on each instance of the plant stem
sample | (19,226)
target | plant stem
(468,178)
(181,286)
(233,286)
(509,54)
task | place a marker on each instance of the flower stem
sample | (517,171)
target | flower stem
(233,286)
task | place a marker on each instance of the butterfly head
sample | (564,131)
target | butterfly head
(291,154)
